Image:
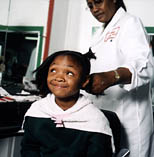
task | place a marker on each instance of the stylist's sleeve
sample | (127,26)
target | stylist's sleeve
(134,46)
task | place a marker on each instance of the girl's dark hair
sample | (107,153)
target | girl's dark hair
(120,3)
(42,70)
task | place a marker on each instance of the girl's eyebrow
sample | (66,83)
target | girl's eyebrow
(53,63)
(70,65)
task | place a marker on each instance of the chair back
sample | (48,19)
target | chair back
(116,131)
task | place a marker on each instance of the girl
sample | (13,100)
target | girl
(64,122)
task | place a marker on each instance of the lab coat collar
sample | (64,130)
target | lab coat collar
(101,32)
(118,15)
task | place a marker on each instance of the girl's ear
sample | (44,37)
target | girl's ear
(85,82)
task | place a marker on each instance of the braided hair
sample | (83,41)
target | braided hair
(120,3)
(42,70)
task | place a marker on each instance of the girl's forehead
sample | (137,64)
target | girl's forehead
(68,58)
(66,62)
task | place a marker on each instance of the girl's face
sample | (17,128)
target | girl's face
(64,77)
(102,10)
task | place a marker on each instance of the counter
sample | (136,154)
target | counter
(11,117)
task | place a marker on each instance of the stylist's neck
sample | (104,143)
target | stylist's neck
(106,23)
(111,16)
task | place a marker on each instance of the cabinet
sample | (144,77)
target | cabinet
(11,118)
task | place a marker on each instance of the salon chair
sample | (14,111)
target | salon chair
(116,131)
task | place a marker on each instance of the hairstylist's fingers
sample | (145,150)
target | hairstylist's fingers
(88,87)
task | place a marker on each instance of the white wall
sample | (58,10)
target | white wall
(28,13)
(143,9)
(25,13)
(4,8)
(69,25)
(65,32)
(59,25)
(72,22)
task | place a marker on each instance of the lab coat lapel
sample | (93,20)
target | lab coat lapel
(101,33)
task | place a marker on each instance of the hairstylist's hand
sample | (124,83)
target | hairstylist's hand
(99,82)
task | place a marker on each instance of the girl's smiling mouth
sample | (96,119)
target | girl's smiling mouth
(59,85)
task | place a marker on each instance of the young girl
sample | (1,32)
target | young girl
(65,123)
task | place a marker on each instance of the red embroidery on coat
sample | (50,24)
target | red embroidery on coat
(111,35)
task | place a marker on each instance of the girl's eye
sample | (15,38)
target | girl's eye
(53,70)
(70,74)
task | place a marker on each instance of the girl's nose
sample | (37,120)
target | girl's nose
(60,79)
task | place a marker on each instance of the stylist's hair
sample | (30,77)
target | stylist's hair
(120,3)
(42,70)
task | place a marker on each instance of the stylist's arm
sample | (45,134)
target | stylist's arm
(101,81)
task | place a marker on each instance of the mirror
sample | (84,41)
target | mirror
(21,42)
(16,54)
(152,43)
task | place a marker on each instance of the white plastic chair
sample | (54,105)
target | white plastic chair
(124,152)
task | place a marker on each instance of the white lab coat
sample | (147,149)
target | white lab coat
(123,43)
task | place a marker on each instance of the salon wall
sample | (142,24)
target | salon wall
(66,25)
(143,9)
(24,12)
(26,16)
(59,25)
(72,22)
(4,7)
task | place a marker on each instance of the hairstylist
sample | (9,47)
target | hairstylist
(122,72)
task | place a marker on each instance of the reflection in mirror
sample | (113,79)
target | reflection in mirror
(152,43)
(152,49)
(19,58)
